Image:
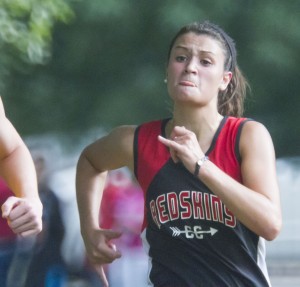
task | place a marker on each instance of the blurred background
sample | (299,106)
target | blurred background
(71,70)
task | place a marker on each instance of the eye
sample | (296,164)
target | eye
(181,58)
(205,62)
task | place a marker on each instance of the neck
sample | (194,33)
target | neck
(202,121)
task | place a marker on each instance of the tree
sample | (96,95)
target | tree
(108,65)
(26,31)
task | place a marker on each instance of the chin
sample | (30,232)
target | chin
(186,97)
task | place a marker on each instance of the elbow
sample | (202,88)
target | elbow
(273,230)
(84,160)
(273,223)
(86,164)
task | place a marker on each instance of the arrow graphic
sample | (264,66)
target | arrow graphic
(176,231)
(197,231)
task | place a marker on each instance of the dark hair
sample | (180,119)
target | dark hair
(230,101)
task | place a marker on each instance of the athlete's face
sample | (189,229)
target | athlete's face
(195,71)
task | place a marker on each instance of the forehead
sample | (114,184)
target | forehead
(198,43)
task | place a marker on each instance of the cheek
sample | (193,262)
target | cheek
(170,88)
(212,78)
(210,84)
(174,69)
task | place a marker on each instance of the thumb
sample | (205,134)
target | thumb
(112,234)
(9,205)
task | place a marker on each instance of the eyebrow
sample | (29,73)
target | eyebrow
(185,48)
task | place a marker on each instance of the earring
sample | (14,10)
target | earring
(165,81)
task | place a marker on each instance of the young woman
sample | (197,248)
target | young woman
(208,175)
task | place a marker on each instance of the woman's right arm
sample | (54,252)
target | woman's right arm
(112,151)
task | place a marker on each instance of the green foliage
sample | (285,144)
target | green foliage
(108,64)
(26,28)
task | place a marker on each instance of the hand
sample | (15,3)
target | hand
(101,251)
(24,215)
(184,147)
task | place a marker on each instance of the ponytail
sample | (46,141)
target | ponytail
(231,101)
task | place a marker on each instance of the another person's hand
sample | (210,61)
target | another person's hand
(24,215)
(101,251)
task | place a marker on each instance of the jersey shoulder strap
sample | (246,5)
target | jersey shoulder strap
(149,154)
(224,151)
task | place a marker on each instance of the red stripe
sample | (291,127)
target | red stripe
(151,156)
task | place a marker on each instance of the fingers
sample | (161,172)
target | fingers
(100,249)
(100,271)
(167,142)
(180,139)
(23,216)
(179,131)
(112,234)
(178,144)
(113,253)
(108,254)
(25,227)
(8,206)
(184,147)
(172,145)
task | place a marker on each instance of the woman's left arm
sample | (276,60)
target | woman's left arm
(256,202)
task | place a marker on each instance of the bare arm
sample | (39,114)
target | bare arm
(110,152)
(256,202)
(24,211)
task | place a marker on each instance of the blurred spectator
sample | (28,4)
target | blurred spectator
(47,263)
(123,209)
(79,272)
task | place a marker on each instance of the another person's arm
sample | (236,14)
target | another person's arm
(24,210)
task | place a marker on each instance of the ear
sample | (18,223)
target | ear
(227,76)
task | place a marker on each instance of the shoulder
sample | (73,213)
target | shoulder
(122,137)
(125,132)
(255,138)
(247,128)
(254,129)
(113,150)
(119,138)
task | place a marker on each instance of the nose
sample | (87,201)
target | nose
(191,66)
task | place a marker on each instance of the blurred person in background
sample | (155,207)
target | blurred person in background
(47,267)
(79,271)
(22,208)
(208,175)
(122,209)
